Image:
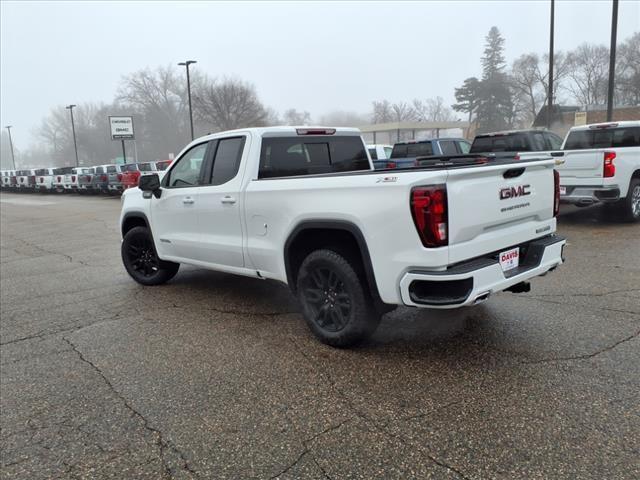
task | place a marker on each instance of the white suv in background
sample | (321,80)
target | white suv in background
(602,164)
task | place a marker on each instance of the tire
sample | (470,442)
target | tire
(141,260)
(629,207)
(334,299)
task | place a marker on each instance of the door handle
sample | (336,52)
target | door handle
(228,200)
(188,201)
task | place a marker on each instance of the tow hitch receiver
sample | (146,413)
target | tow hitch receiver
(521,287)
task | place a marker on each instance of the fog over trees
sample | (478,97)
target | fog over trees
(499,96)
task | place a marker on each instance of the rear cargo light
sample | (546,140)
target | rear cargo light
(603,125)
(315,131)
(73,178)
(609,167)
(556,193)
(430,214)
(391,164)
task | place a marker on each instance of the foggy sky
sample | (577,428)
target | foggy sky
(315,56)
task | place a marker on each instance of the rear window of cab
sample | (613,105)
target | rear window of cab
(603,138)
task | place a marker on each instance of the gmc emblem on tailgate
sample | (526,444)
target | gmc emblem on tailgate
(513,192)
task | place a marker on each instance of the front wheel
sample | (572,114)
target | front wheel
(141,260)
(335,302)
(629,207)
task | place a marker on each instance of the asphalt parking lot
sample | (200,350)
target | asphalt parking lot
(216,376)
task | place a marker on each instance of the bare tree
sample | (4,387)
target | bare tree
(228,104)
(628,71)
(382,112)
(294,117)
(432,110)
(588,70)
(159,98)
(403,112)
(340,118)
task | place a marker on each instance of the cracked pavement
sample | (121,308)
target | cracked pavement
(216,376)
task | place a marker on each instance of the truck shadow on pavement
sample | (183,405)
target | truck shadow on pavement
(269,307)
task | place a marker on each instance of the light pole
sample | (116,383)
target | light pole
(186,65)
(73,129)
(13,157)
(550,93)
(612,60)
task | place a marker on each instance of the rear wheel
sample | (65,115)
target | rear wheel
(335,304)
(141,260)
(629,207)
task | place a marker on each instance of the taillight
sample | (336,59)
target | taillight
(103,178)
(609,167)
(429,210)
(119,177)
(556,193)
(517,156)
(391,164)
(73,178)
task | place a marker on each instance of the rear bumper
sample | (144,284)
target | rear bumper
(588,195)
(474,281)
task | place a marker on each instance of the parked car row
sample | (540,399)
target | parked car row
(108,179)
(598,163)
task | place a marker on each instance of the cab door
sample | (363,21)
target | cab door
(174,216)
(220,203)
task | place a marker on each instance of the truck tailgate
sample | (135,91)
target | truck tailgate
(494,207)
(581,167)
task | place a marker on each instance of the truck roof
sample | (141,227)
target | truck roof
(283,130)
(511,132)
(593,126)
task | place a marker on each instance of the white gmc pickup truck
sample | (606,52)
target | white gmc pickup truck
(304,206)
(602,164)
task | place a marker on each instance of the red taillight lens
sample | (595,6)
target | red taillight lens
(391,164)
(103,178)
(73,178)
(556,193)
(430,215)
(517,156)
(119,177)
(609,167)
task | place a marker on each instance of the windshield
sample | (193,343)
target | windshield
(145,167)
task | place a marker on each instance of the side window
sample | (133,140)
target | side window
(464,147)
(387,152)
(555,142)
(626,137)
(227,160)
(448,147)
(539,144)
(186,171)
(373,153)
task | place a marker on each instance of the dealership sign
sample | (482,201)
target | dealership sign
(121,128)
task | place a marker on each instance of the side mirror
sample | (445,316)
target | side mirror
(150,183)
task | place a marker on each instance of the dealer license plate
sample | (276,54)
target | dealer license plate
(510,259)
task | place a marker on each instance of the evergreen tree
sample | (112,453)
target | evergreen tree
(467,97)
(495,103)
